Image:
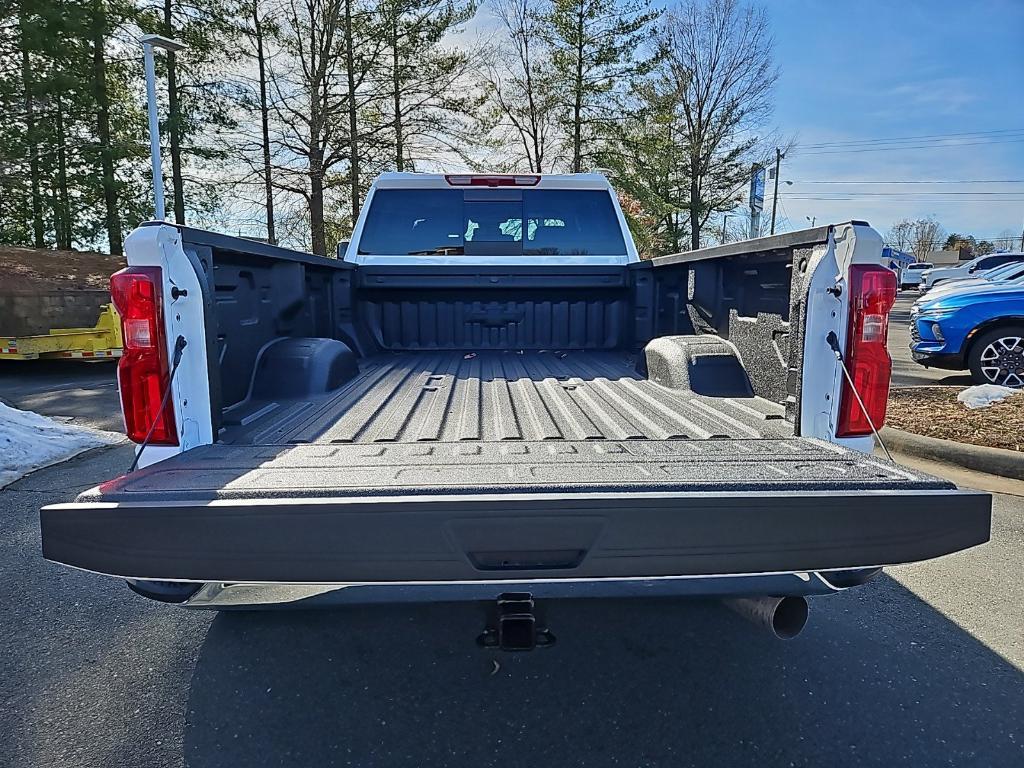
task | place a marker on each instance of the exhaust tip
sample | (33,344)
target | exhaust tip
(784,617)
(790,618)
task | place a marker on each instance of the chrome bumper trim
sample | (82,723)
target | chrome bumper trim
(257,596)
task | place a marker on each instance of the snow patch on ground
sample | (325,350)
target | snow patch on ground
(29,442)
(983,395)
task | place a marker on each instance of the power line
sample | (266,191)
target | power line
(849,142)
(857,150)
(937,181)
(848,198)
(922,193)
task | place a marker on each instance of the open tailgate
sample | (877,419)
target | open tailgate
(490,511)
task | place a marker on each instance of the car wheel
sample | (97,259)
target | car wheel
(997,357)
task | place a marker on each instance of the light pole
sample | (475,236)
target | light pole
(725,224)
(149,42)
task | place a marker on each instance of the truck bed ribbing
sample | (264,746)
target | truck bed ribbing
(458,396)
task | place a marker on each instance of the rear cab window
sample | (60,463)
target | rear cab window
(491,222)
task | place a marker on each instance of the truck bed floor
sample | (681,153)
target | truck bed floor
(455,422)
(416,397)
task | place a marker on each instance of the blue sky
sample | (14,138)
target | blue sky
(853,71)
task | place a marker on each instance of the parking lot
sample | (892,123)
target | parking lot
(922,666)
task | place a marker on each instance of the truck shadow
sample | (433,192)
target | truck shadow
(878,676)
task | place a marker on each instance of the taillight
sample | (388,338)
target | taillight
(143,373)
(872,294)
(470,180)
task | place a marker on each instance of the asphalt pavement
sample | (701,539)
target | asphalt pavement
(922,666)
(79,392)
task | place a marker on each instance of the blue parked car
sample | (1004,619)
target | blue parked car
(979,327)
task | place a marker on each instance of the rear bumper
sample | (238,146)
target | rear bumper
(501,537)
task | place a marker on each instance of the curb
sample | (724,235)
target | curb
(993,461)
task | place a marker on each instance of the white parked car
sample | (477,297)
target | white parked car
(913,274)
(932,277)
(1012,271)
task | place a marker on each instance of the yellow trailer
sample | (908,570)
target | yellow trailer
(97,343)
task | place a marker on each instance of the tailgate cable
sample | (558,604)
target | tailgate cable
(833,342)
(179,347)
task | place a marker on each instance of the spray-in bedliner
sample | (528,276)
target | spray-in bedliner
(417,397)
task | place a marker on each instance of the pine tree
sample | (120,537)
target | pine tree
(597,50)
(199,97)
(427,99)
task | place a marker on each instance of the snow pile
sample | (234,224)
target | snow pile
(983,395)
(29,442)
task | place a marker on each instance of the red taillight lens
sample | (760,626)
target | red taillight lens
(143,373)
(469,180)
(872,294)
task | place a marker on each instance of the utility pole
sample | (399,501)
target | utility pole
(775,197)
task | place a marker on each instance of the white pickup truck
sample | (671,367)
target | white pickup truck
(489,396)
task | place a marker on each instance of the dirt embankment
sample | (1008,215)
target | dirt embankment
(28,270)
(42,289)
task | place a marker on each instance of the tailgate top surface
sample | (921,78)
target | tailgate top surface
(323,470)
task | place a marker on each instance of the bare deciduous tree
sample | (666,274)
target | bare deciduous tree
(258,27)
(307,107)
(719,53)
(1009,240)
(900,235)
(523,94)
(927,236)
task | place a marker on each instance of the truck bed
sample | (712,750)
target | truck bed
(442,452)
(457,422)
(454,397)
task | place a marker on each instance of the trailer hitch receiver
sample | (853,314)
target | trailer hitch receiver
(513,625)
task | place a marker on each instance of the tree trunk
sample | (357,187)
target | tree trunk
(695,205)
(174,120)
(396,92)
(353,138)
(99,84)
(63,204)
(38,230)
(264,122)
(318,231)
(577,114)
(55,206)
(534,119)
